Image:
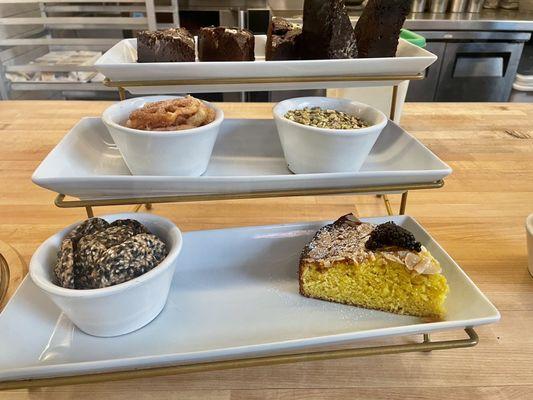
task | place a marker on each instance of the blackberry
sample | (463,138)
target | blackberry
(390,234)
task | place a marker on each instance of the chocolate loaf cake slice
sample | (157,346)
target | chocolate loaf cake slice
(283,39)
(225,44)
(169,45)
(378,29)
(327,31)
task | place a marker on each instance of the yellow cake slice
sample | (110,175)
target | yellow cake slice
(381,267)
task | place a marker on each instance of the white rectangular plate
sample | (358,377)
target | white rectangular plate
(120,64)
(234,295)
(247,157)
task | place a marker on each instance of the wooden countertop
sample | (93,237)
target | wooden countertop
(478,217)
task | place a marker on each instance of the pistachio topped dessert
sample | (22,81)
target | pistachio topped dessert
(325,118)
(381,267)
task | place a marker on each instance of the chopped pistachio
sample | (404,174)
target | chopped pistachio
(325,118)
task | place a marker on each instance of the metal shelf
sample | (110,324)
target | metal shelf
(50,68)
(70,1)
(90,22)
(105,8)
(48,41)
(58,86)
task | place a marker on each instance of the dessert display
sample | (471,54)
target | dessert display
(327,31)
(98,254)
(225,44)
(169,45)
(325,118)
(380,267)
(171,115)
(378,29)
(283,40)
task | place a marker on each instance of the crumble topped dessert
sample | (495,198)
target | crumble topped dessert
(381,267)
(171,115)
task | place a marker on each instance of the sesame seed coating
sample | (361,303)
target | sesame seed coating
(97,254)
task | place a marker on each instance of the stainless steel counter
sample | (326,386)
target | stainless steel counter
(487,20)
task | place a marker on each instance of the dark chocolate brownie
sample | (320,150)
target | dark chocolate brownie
(169,45)
(225,44)
(283,40)
(327,31)
(378,29)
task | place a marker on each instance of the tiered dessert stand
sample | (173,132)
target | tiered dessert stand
(230,84)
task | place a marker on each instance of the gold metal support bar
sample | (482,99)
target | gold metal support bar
(387,204)
(393,102)
(471,341)
(263,80)
(89,210)
(60,199)
(427,339)
(121,93)
(138,207)
(403,204)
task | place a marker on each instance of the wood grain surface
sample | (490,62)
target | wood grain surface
(478,217)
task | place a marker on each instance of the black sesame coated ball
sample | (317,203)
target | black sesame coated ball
(390,234)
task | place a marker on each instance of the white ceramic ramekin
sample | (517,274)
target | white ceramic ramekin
(118,309)
(180,153)
(309,149)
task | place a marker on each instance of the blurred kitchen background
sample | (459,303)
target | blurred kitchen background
(47,48)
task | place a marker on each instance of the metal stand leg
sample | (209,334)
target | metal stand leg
(122,93)
(427,339)
(387,204)
(138,207)
(89,211)
(403,204)
(393,102)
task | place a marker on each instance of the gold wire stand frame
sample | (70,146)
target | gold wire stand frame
(122,85)
(425,346)
(404,189)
